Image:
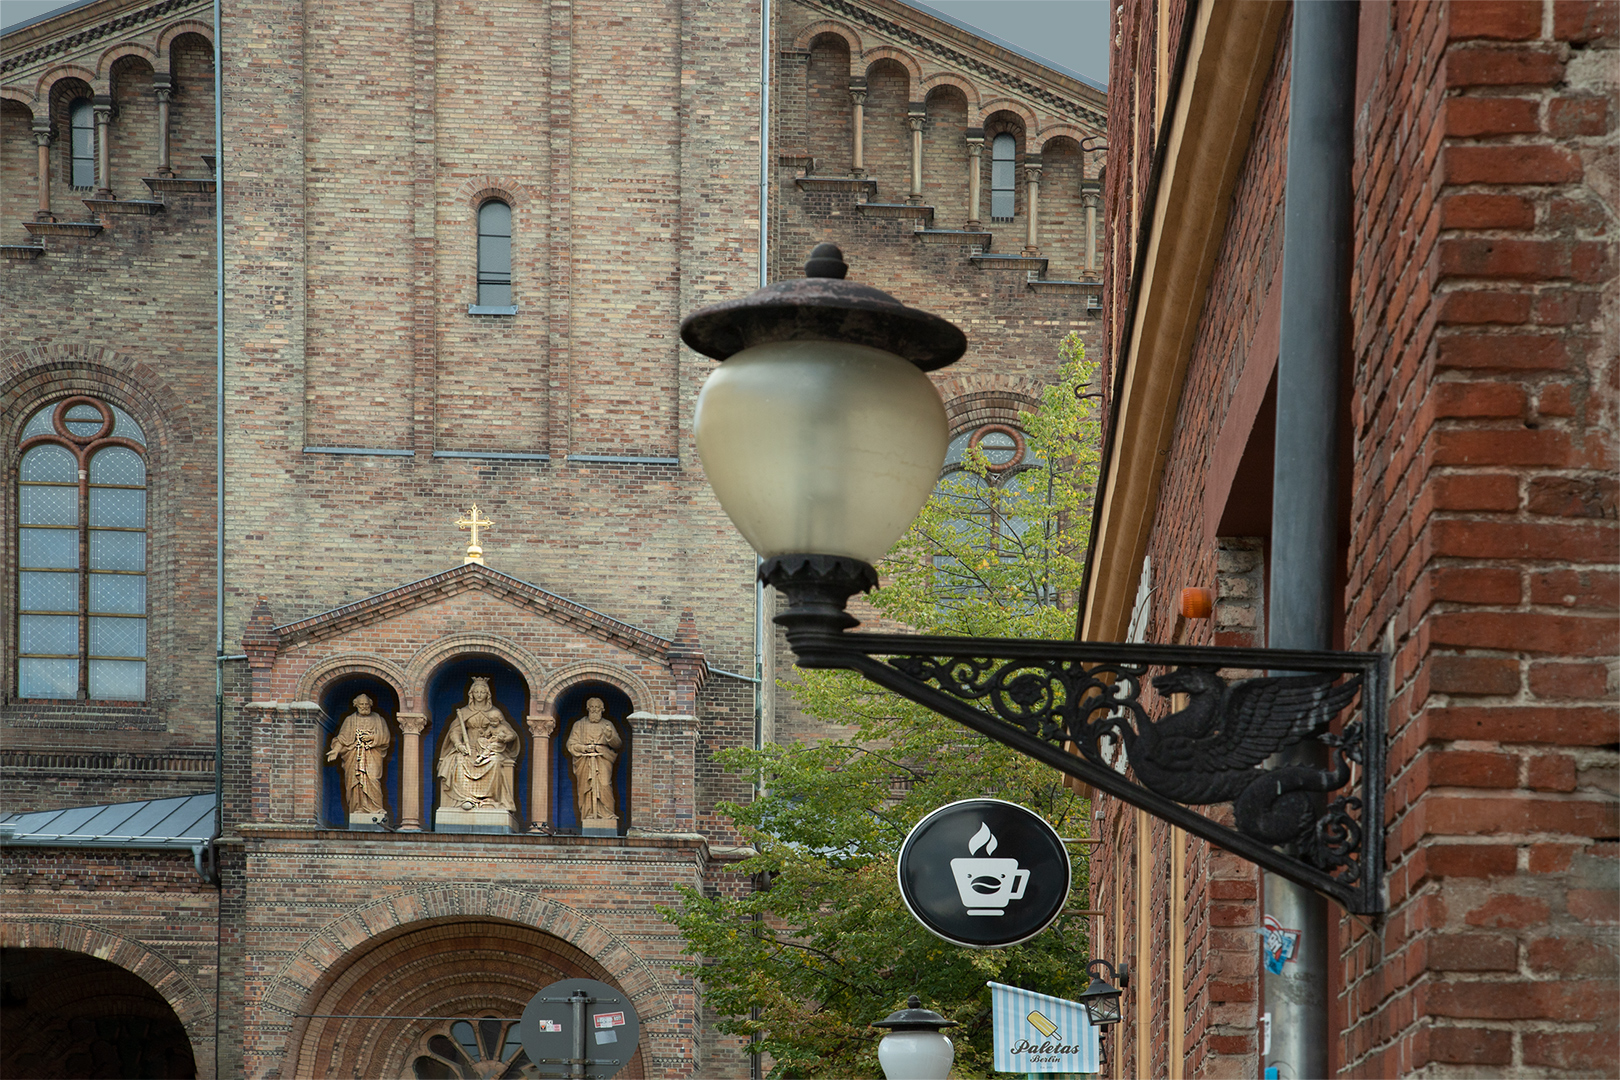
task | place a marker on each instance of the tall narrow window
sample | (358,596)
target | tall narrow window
(495,255)
(81,496)
(1003,177)
(82,119)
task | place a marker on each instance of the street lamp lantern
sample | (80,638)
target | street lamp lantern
(819,432)
(916,1047)
(822,437)
(1101,998)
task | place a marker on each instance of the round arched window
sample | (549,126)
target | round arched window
(81,553)
(485,1048)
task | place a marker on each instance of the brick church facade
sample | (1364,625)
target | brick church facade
(455,246)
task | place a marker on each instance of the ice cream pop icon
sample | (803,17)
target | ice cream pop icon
(1042,1024)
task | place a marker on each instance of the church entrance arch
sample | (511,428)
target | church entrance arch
(475,975)
(478,779)
(68,1014)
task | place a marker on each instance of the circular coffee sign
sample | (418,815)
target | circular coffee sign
(984,873)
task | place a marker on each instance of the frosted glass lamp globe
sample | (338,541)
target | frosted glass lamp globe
(820,447)
(916,1055)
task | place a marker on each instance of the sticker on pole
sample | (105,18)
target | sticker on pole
(1280,944)
(984,873)
(580,1027)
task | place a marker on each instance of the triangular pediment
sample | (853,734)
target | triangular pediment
(472,577)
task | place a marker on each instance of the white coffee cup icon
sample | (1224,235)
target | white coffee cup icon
(987,885)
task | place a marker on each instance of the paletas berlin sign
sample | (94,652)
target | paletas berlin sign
(984,873)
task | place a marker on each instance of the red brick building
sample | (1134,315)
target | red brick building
(1478,533)
(455,247)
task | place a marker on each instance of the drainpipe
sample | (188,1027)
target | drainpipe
(754,1062)
(219,527)
(1304,529)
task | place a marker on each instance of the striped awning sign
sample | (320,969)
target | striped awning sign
(1037,1033)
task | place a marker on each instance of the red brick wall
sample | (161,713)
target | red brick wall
(19,171)
(1485,543)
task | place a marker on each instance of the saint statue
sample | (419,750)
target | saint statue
(362,746)
(480,749)
(593,744)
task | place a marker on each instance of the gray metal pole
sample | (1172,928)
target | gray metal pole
(1304,527)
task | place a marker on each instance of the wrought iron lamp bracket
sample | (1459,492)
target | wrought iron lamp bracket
(1305,790)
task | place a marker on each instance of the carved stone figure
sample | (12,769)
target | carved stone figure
(593,747)
(480,751)
(361,745)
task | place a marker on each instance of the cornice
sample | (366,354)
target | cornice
(1017,83)
(90,34)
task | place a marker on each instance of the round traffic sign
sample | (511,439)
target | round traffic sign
(984,873)
(580,1027)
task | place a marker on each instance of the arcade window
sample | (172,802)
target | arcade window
(81,553)
(82,121)
(486,1046)
(991,510)
(1003,177)
(495,255)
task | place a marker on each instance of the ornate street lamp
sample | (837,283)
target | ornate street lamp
(916,1047)
(1101,998)
(823,436)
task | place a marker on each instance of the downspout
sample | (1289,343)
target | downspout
(219,526)
(754,1063)
(1304,509)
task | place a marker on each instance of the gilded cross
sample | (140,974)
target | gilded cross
(475,554)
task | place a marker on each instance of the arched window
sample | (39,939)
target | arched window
(82,119)
(1003,177)
(483,1047)
(990,511)
(81,554)
(495,254)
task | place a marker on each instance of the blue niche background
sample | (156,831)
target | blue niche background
(570,707)
(337,701)
(447,692)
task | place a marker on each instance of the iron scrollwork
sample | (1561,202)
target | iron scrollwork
(1306,799)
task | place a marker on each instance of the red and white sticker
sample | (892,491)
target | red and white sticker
(610,1020)
(550,1025)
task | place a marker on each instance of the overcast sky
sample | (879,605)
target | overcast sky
(1071,34)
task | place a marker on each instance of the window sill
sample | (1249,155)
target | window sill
(476,309)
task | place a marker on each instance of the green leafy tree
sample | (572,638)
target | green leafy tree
(805,963)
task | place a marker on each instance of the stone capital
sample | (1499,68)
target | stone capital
(412,723)
(858,95)
(43,133)
(541,727)
(915,122)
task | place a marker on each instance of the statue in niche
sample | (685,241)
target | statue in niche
(480,750)
(593,745)
(361,745)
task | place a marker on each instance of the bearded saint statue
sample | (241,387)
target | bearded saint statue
(361,744)
(593,745)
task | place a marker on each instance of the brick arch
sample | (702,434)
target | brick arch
(476,190)
(45,89)
(332,971)
(20,96)
(175,31)
(313,682)
(1025,115)
(808,35)
(121,51)
(987,397)
(641,695)
(934,82)
(428,658)
(37,376)
(899,56)
(193,1007)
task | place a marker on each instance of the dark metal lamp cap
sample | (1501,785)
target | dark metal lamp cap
(914,1018)
(822,306)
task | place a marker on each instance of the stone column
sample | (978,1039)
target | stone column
(163,88)
(1091,197)
(857,95)
(103,108)
(540,729)
(975,149)
(1032,182)
(42,137)
(916,116)
(411,726)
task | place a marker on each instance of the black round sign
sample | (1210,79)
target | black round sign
(984,873)
(557,1030)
